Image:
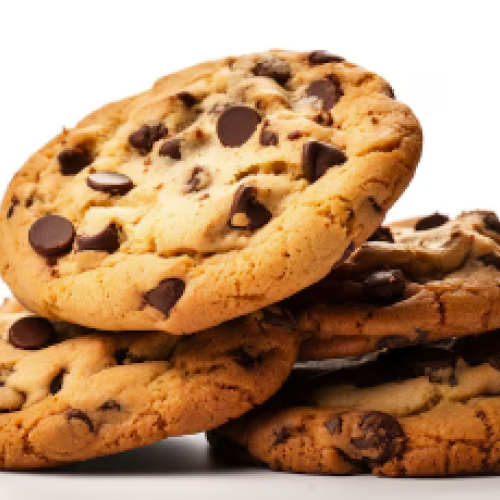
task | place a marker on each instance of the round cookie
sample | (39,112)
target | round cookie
(419,280)
(69,394)
(226,187)
(429,410)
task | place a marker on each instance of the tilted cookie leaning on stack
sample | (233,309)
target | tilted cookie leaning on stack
(425,410)
(226,187)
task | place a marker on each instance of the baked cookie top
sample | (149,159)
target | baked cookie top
(68,393)
(428,410)
(418,280)
(226,187)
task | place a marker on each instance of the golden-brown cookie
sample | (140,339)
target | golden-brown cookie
(415,281)
(69,394)
(429,410)
(226,187)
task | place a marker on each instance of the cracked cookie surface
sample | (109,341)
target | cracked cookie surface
(420,280)
(430,410)
(68,393)
(226,187)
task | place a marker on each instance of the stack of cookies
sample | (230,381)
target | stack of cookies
(208,256)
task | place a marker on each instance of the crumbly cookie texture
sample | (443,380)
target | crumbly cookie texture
(416,411)
(68,393)
(420,280)
(226,187)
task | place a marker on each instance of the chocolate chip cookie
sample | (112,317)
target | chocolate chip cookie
(419,280)
(68,393)
(430,410)
(226,187)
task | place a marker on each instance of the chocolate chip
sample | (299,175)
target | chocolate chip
(72,413)
(144,138)
(296,134)
(236,125)
(334,425)
(171,148)
(245,359)
(51,236)
(491,222)
(384,287)
(198,179)
(382,234)
(244,202)
(110,182)
(276,69)
(323,57)
(490,259)
(57,382)
(111,404)
(13,204)
(318,157)
(281,436)
(165,295)
(31,333)
(188,99)
(327,90)
(431,221)
(383,436)
(107,240)
(392,342)
(72,161)
(268,138)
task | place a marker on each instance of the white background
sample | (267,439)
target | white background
(60,60)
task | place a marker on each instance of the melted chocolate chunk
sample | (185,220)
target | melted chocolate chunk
(383,436)
(51,236)
(112,183)
(385,287)
(171,148)
(188,99)
(382,234)
(431,221)
(236,125)
(276,69)
(74,414)
(144,138)
(31,333)
(108,240)
(328,90)
(166,295)
(323,57)
(245,202)
(72,161)
(318,157)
